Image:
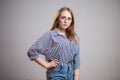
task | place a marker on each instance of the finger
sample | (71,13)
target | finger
(55,59)
(57,62)
(56,65)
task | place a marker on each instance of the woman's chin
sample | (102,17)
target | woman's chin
(65,27)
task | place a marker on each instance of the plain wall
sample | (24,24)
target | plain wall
(97,23)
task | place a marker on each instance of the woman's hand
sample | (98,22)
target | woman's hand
(53,63)
(49,65)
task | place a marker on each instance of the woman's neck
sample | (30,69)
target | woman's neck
(61,31)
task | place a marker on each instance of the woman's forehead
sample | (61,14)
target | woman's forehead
(66,13)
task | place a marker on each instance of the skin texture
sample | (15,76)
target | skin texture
(64,21)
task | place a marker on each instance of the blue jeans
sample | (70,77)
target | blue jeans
(61,72)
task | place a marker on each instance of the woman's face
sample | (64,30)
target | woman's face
(65,20)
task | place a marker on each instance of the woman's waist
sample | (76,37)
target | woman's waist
(62,66)
(62,62)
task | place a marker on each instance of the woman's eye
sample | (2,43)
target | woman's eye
(69,19)
(63,17)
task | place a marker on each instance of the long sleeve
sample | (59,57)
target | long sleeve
(77,56)
(40,46)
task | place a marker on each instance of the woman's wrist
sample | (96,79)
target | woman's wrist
(48,65)
(42,63)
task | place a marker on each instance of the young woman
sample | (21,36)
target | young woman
(60,46)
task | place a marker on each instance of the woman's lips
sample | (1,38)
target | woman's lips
(65,24)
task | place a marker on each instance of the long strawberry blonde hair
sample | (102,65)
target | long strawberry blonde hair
(71,35)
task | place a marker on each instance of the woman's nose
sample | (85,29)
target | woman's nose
(66,20)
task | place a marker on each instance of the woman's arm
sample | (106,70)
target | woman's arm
(51,64)
(76,74)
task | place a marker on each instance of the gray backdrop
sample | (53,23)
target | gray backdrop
(97,23)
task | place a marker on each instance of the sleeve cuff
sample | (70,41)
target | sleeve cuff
(77,67)
(34,57)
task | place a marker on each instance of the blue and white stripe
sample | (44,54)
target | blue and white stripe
(55,46)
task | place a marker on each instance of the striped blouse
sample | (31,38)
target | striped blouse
(55,46)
